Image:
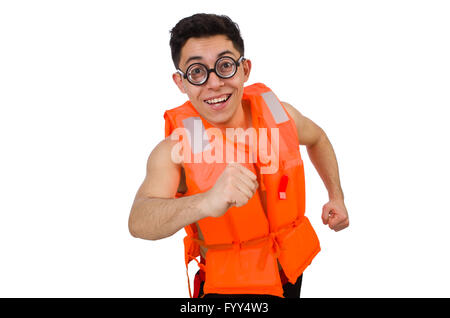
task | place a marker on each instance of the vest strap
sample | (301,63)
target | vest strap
(189,258)
(271,246)
(278,113)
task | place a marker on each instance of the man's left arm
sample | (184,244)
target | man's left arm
(321,153)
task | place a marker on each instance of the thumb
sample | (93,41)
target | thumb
(326,213)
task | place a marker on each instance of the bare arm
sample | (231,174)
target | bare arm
(156,213)
(322,156)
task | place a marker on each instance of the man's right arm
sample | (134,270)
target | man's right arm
(156,213)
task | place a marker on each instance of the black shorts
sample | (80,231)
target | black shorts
(289,291)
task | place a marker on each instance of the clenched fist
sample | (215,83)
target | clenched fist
(234,187)
(334,213)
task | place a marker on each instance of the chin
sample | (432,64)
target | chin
(220,117)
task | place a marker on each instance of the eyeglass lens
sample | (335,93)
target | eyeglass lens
(225,67)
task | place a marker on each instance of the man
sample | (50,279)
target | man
(244,218)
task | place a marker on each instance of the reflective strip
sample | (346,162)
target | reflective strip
(275,107)
(196,132)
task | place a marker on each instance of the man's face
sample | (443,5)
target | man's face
(207,51)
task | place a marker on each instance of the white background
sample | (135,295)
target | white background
(83,89)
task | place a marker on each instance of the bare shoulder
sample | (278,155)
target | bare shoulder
(308,132)
(294,112)
(161,155)
(162,174)
(295,115)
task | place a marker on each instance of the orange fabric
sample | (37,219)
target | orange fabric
(245,245)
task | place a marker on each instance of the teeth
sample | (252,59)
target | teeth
(216,100)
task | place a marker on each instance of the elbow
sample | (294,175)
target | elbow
(138,231)
(132,227)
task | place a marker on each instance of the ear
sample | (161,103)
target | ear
(178,80)
(247,65)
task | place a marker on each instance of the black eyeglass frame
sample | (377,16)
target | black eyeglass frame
(210,70)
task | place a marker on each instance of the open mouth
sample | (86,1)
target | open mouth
(219,102)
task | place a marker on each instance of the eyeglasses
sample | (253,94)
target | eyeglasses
(198,73)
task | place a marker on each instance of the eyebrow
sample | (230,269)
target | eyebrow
(193,58)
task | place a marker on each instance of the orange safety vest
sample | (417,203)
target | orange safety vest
(245,244)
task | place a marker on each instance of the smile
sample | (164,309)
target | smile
(218,100)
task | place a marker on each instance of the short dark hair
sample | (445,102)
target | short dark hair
(203,25)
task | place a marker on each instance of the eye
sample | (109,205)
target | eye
(197,73)
(226,65)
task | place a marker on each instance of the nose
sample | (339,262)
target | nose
(214,81)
